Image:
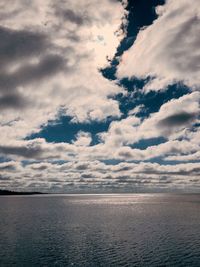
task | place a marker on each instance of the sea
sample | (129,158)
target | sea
(144,230)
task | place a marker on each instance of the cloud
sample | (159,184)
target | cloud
(83,139)
(10,166)
(50,67)
(117,144)
(16,45)
(52,64)
(30,73)
(178,119)
(169,122)
(192,137)
(31,150)
(37,149)
(169,53)
(97,176)
(72,16)
(13,101)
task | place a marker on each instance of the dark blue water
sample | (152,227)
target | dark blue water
(100,230)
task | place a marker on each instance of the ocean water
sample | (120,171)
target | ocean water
(100,230)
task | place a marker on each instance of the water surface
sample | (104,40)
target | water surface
(100,230)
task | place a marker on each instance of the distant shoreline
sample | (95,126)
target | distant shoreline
(14,193)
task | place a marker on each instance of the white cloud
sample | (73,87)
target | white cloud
(168,50)
(83,139)
(170,122)
(136,110)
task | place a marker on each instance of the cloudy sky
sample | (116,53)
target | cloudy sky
(100,96)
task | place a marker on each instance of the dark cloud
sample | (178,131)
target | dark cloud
(23,151)
(178,119)
(72,16)
(13,101)
(125,154)
(83,166)
(87,175)
(20,46)
(39,168)
(48,65)
(8,167)
(195,181)
(4,178)
(124,168)
(72,36)
(29,73)
(17,45)
(78,18)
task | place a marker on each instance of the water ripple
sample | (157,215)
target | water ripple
(144,230)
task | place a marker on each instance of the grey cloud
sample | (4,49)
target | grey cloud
(48,65)
(17,45)
(73,37)
(83,166)
(39,168)
(125,154)
(8,167)
(35,149)
(123,168)
(17,8)
(24,151)
(87,175)
(13,101)
(189,62)
(4,178)
(73,17)
(11,98)
(76,16)
(195,180)
(178,119)
(7,15)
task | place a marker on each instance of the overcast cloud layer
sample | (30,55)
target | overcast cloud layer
(51,53)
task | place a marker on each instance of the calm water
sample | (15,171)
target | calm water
(100,230)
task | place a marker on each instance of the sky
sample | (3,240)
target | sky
(100,96)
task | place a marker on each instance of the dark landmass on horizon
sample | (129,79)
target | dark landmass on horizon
(14,193)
